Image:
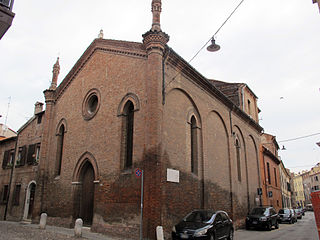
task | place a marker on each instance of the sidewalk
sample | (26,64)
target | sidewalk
(22,231)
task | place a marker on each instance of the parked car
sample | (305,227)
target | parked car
(286,215)
(204,224)
(263,217)
(298,212)
(309,207)
(295,219)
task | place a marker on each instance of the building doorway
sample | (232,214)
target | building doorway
(87,193)
(29,202)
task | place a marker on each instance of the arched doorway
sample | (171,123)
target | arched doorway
(86,193)
(29,202)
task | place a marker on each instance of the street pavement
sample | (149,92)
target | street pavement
(22,231)
(304,229)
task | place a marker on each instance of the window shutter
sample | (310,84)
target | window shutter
(5,159)
(23,155)
(31,152)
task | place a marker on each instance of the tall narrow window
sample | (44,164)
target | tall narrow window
(238,159)
(275,176)
(268,172)
(59,150)
(128,134)
(5,193)
(249,107)
(194,146)
(37,153)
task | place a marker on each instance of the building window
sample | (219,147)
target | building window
(249,107)
(5,194)
(316,178)
(238,155)
(194,146)
(127,134)
(59,150)
(268,172)
(37,152)
(16,195)
(31,157)
(39,118)
(91,104)
(275,176)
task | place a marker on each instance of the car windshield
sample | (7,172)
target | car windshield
(297,210)
(284,211)
(199,216)
(258,211)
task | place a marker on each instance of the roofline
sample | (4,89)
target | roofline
(177,61)
(270,154)
(8,139)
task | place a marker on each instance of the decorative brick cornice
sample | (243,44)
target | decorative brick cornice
(155,39)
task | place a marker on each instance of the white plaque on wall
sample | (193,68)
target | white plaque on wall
(172,175)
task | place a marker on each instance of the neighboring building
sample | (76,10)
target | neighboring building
(6,132)
(270,176)
(307,186)
(25,150)
(315,181)
(6,16)
(285,180)
(298,191)
(317,1)
(127,105)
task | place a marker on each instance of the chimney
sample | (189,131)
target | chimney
(38,106)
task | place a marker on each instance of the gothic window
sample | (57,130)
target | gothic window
(238,155)
(268,172)
(127,134)
(194,146)
(59,149)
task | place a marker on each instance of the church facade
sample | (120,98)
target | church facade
(126,106)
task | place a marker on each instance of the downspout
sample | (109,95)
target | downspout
(10,181)
(163,76)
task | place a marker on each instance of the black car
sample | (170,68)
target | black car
(204,225)
(286,215)
(262,217)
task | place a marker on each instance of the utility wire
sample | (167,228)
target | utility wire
(208,40)
(297,138)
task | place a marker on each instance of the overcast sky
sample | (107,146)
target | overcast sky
(273,46)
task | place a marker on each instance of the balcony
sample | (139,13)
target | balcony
(6,15)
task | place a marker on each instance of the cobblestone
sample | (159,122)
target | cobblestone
(21,231)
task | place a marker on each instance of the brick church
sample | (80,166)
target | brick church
(127,106)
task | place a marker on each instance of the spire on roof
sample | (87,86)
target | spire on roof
(156,11)
(100,34)
(55,74)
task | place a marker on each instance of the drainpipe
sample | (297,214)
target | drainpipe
(10,181)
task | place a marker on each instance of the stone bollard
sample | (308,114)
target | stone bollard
(160,233)
(78,228)
(43,221)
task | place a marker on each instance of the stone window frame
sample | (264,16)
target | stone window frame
(134,99)
(62,125)
(237,144)
(193,113)
(87,113)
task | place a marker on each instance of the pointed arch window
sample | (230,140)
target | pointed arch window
(194,146)
(238,155)
(60,149)
(127,134)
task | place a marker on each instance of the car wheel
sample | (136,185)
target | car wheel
(291,221)
(230,235)
(277,225)
(247,227)
(269,226)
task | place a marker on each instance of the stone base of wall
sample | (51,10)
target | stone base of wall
(60,222)
(126,230)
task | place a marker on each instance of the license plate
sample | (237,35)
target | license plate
(254,222)
(184,236)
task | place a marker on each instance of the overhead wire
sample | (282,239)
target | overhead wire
(297,138)
(208,40)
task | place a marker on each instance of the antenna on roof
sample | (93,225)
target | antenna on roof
(5,122)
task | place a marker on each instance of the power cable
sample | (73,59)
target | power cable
(208,40)
(297,138)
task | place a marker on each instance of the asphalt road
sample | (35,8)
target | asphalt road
(304,229)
